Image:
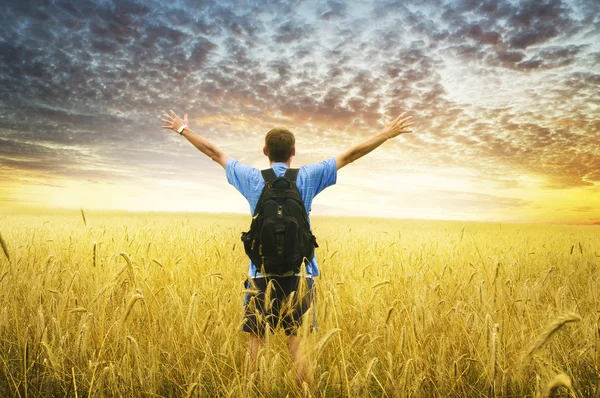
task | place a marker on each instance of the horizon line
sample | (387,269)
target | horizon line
(25,208)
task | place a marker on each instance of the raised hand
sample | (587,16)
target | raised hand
(174,122)
(398,126)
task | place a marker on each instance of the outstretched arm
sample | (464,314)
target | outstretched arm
(391,130)
(174,122)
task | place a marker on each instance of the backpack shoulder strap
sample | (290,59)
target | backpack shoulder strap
(269,176)
(291,174)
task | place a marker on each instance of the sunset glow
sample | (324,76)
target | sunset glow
(505,98)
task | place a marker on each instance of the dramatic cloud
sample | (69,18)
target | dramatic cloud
(508,90)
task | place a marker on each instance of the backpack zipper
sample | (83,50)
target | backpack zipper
(253,242)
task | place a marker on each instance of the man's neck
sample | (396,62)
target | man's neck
(288,163)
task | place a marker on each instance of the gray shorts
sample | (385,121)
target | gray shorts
(285,309)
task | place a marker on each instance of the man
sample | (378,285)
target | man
(311,179)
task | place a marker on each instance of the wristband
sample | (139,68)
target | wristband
(180,129)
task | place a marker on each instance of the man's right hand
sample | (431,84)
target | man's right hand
(174,122)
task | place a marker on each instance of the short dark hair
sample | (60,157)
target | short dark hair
(279,143)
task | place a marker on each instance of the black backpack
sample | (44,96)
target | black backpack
(280,239)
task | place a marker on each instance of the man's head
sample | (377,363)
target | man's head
(280,145)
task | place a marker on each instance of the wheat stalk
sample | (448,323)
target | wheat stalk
(494,361)
(488,328)
(358,338)
(83,216)
(79,341)
(414,322)
(268,292)
(191,309)
(403,337)
(4,247)
(127,258)
(48,356)
(191,389)
(95,253)
(496,273)
(207,320)
(551,329)
(136,297)
(405,377)
(157,263)
(370,366)
(135,349)
(380,284)
(106,374)
(101,291)
(74,382)
(129,266)
(560,380)
(495,280)
(389,315)
(548,274)
(325,339)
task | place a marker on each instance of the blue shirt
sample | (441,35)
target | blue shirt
(312,179)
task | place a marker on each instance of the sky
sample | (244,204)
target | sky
(504,95)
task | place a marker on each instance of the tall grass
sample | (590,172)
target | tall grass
(151,304)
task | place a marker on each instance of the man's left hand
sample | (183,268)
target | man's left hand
(398,126)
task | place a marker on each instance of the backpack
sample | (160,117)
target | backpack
(279,239)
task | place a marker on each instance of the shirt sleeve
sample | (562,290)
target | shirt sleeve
(322,174)
(240,176)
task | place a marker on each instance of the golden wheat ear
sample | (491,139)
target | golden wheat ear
(560,380)
(551,329)
(325,339)
(4,247)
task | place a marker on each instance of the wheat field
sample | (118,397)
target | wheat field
(150,304)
